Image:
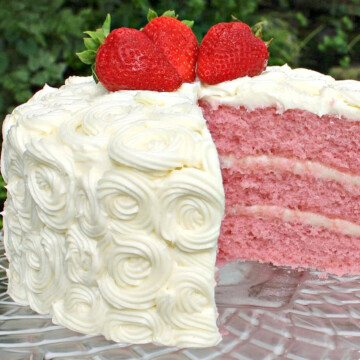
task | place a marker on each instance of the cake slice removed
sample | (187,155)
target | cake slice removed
(289,147)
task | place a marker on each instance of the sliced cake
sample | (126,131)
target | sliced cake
(289,147)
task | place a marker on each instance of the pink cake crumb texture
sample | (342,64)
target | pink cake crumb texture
(263,186)
(288,243)
(298,135)
(293,133)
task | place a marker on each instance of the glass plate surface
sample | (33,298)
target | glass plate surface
(265,312)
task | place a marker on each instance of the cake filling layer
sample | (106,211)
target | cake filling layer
(298,185)
(295,166)
(296,216)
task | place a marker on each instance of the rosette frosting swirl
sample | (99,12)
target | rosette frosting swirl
(79,140)
(187,305)
(12,149)
(152,145)
(50,180)
(43,272)
(12,166)
(127,197)
(91,217)
(205,259)
(82,262)
(191,209)
(136,327)
(16,285)
(82,309)
(12,230)
(112,110)
(17,186)
(41,121)
(137,267)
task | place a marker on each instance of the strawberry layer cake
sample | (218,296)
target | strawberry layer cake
(123,194)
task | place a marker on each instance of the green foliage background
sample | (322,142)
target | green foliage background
(39,38)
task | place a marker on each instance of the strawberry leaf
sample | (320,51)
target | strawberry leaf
(189,23)
(97,35)
(268,43)
(87,56)
(106,26)
(151,15)
(170,13)
(257,29)
(91,44)
(94,73)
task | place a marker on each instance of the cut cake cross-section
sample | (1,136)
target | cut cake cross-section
(289,147)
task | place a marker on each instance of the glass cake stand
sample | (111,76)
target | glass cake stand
(265,312)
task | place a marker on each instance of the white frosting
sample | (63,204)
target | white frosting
(288,88)
(12,242)
(43,268)
(114,210)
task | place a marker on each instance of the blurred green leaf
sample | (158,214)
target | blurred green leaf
(4,62)
(40,78)
(345,62)
(302,19)
(23,96)
(27,47)
(348,23)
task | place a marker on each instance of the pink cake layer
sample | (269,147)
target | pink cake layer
(288,243)
(305,192)
(293,133)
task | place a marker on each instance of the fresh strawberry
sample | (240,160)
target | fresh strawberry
(176,41)
(126,59)
(129,60)
(230,50)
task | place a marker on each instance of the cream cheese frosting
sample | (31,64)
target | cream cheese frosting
(288,88)
(114,210)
